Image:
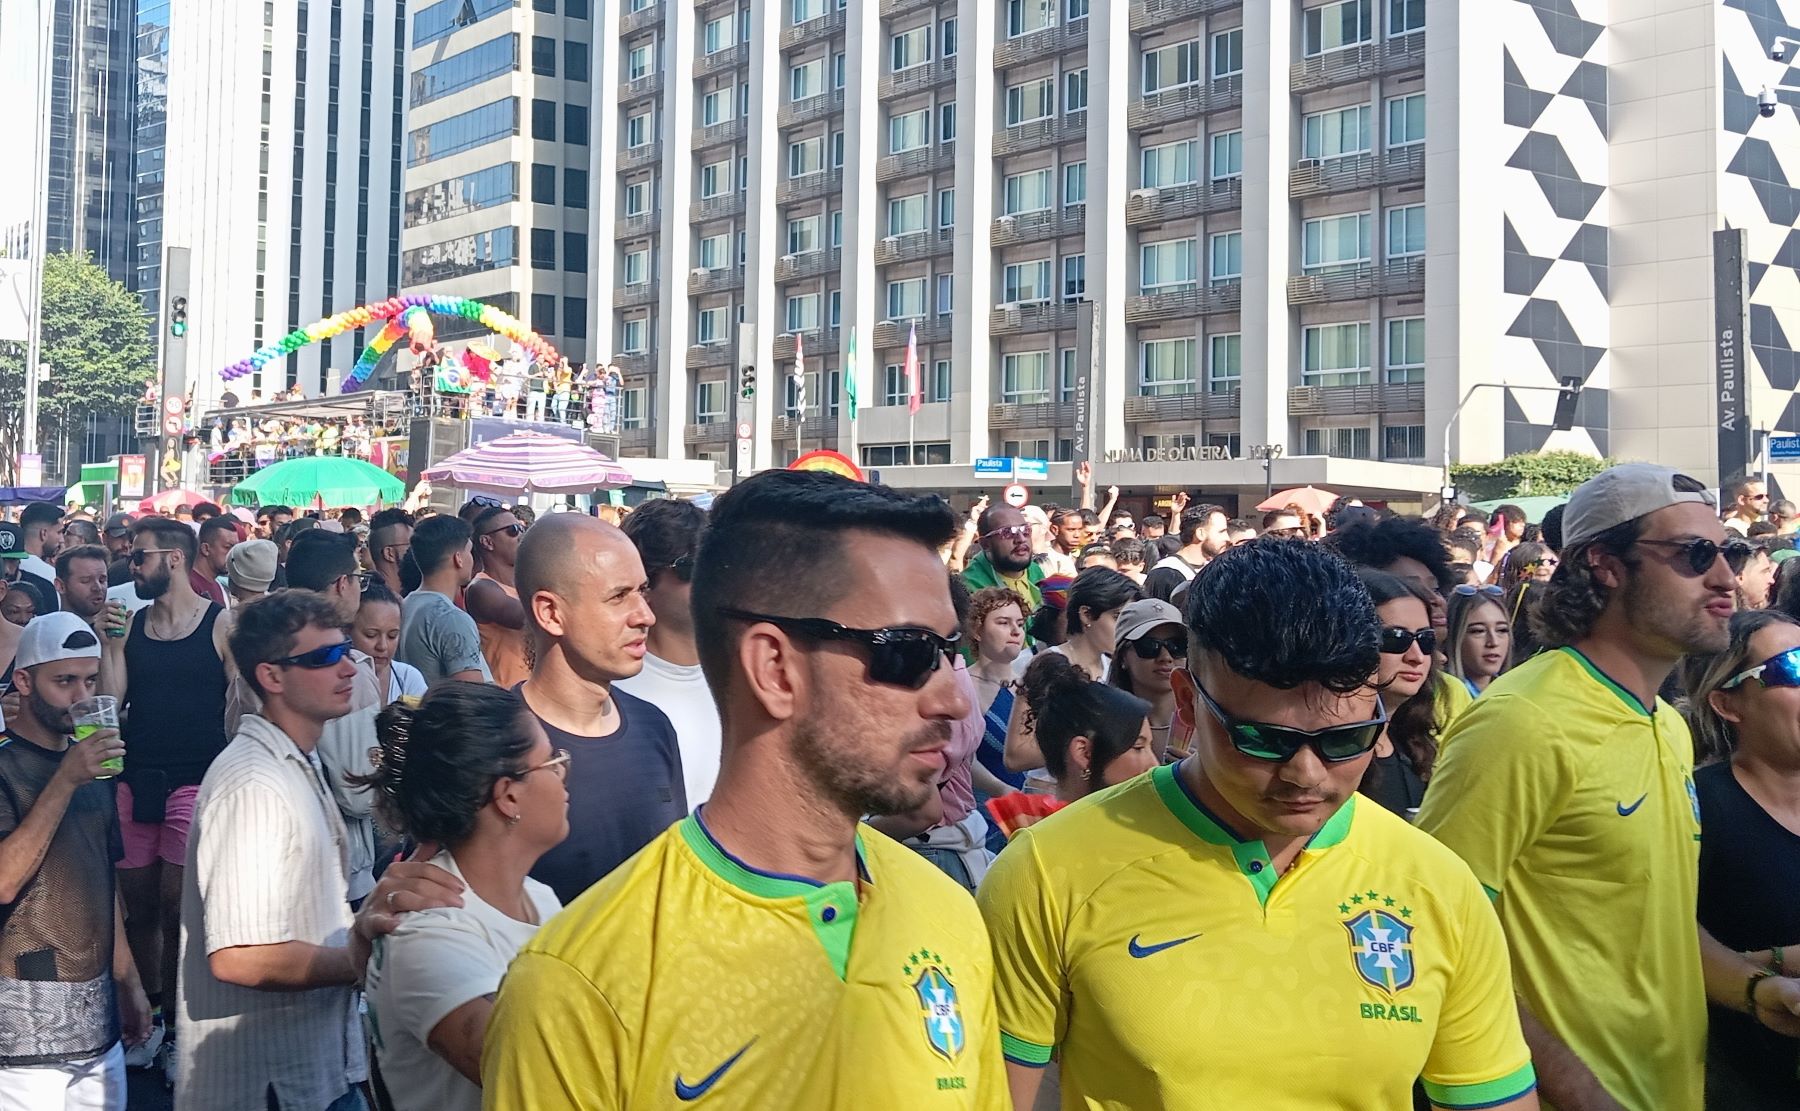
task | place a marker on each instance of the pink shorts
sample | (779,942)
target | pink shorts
(148,842)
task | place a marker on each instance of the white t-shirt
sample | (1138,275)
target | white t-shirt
(404,681)
(682,694)
(436,961)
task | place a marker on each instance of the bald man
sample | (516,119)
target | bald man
(587,619)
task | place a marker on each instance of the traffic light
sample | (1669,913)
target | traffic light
(178,316)
(747,381)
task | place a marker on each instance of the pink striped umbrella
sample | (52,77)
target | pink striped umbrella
(530,463)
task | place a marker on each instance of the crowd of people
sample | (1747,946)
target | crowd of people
(832,796)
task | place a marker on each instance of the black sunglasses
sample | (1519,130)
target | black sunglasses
(1279,743)
(1700,554)
(514,529)
(318,658)
(1395,640)
(683,568)
(1148,648)
(903,656)
(486,501)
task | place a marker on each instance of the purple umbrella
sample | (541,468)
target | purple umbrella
(530,463)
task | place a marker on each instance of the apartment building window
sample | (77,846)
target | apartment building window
(1224,362)
(837,149)
(637,198)
(1026,283)
(1075,91)
(947,38)
(937,387)
(718,106)
(837,229)
(1405,350)
(575,252)
(1025,377)
(1171,67)
(804,11)
(637,266)
(1025,16)
(575,124)
(1406,120)
(947,122)
(806,80)
(909,131)
(837,71)
(575,188)
(1406,231)
(637,130)
(1403,441)
(1332,243)
(640,61)
(1336,354)
(1029,192)
(946,208)
(835,304)
(575,60)
(715,179)
(715,252)
(575,317)
(466,254)
(633,407)
(895,455)
(1340,443)
(909,48)
(1166,367)
(634,334)
(1166,266)
(1335,27)
(543,120)
(713,325)
(1025,449)
(1075,183)
(543,249)
(709,402)
(1337,133)
(543,55)
(1074,278)
(906,299)
(906,215)
(1227,155)
(1167,441)
(1227,257)
(893,384)
(744,15)
(1228,53)
(1065,376)
(806,388)
(1075,9)
(806,156)
(946,294)
(803,235)
(718,34)
(803,312)
(1034,100)
(1405,17)
(543,183)
(1171,164)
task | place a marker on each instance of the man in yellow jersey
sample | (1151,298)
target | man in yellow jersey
(1568,788)
(769,951)
(1241,930)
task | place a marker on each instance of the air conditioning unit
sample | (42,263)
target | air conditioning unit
(699,272)
(1009,218)
(1309,164)
(1148,194)
(890,240)
(1008,306)
(787,258)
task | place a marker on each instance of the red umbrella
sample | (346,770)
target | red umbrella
(168,501)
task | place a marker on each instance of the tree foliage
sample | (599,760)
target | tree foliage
(1535,474)
(96,338)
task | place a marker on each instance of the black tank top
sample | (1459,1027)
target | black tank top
(175,701)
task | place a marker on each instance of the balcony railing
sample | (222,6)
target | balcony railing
(1031,227)
(810,186)
(1343,401)
(635,441)
(892,8)
(710,354)
(1187,406)
(918,78)
(1040,133)
(717,208)
(728,131)
(893,333)
(635,158)
(1185,103)
(636,227)
(1148,15)
(1360,63)
(701,282)
(793,268)
(903,248)
(812,108)
(926,160)
(649,16)
(631,296)
(1045,316)
(813,30)
(1395,279)
(1401,166)
(712,432)
(783,426)
(648,85)
(633,364)
(1041,44)
(819,341)
(721,60)
(1037,414)
(1180,202)
(1183,303)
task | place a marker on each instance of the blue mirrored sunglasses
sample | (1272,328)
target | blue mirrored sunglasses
(1781,670)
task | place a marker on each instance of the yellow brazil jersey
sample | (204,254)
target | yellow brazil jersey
(1450,699)
(1162,958)
(687,979)
(1576,809)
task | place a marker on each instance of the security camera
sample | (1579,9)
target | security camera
(1765,103)
(1778,52)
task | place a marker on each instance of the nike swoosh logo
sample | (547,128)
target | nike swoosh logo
(1628,811)
(1142,951)
(685,1091)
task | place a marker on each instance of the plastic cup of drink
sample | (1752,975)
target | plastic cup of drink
(92,715)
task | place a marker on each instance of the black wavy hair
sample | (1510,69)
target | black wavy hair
(1099,589)
(166,532)
(264,630)
(319,558)
(1379,544)
(1064,702)
(435,539)
(1284,614)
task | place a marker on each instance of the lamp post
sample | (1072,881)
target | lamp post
(1268,453)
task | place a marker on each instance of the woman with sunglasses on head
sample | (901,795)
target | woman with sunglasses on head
(1408,746)
(1744,710)
(470,770)
(1480,636)
(1092,735)
(1151,645)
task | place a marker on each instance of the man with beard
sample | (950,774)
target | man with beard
(1204,537)
(1568,788)
(1005,558)
(587,618)
(40,524)
(81,581)
(217,536)
(117,538)
(770,949)
(169,673)
(390,538)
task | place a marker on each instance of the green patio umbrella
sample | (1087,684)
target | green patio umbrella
(333,480)
(1535,506)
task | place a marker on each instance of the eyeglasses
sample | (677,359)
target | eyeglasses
(558,763)
(1295,533)
(1148,648)
(901,656)
(1280,743)
(683,568)
(1701,554)
(1395,640)
(514,529)
(360,578)
(1011,532)
(138,556)
(318,659)
(1465,590)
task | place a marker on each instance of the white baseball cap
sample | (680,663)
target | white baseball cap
(54,637)
(1625,493)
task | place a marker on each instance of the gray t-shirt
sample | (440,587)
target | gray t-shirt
(437,638)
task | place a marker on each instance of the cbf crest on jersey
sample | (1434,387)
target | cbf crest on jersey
(1380,940)
(939,1008)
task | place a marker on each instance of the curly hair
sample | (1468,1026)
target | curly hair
(1062,702)
(1567,606)
(1383,543)
(984,602)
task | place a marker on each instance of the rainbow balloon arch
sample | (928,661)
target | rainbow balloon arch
(400,316)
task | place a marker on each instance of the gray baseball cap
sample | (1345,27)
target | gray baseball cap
(1625,493)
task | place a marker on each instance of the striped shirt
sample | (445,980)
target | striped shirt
(266,861)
